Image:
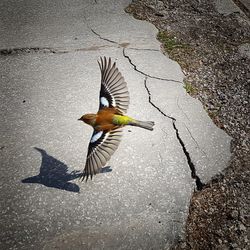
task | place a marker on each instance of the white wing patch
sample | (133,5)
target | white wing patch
(96,136)
(104,102)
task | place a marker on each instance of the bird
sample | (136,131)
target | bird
(109,120)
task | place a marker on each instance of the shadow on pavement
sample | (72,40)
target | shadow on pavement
(53,173)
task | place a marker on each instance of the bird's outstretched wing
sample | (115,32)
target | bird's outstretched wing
(102,145)
(114,91)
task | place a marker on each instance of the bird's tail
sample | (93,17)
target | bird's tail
(147,125)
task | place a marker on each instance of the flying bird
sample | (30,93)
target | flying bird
(109,120)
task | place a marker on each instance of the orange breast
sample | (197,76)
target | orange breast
(104,116)
(104,119)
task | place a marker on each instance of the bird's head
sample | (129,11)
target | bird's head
(89,119)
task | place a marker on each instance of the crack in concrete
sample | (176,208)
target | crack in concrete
(123,45)
(197,144)
(103,38)
(177,103)
(199,184)
(147,75)
(203,152)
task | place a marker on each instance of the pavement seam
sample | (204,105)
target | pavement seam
(27,50)
(46,50)
(199,184)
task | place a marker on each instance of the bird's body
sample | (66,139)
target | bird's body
(106,119)
(109,120)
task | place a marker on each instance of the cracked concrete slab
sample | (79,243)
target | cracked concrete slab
(141,199)
(53,102)
(208,146)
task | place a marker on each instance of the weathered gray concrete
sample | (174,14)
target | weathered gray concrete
(227,7)
(244,50)
(143,202)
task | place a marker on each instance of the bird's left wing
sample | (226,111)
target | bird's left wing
(101,146)
(114,92)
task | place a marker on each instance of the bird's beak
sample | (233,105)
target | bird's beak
(79,119)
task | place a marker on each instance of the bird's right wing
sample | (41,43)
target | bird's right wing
(114,92)
(101,146)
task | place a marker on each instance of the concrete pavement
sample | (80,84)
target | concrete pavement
(49,78)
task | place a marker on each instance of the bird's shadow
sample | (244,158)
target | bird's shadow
(54,173)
